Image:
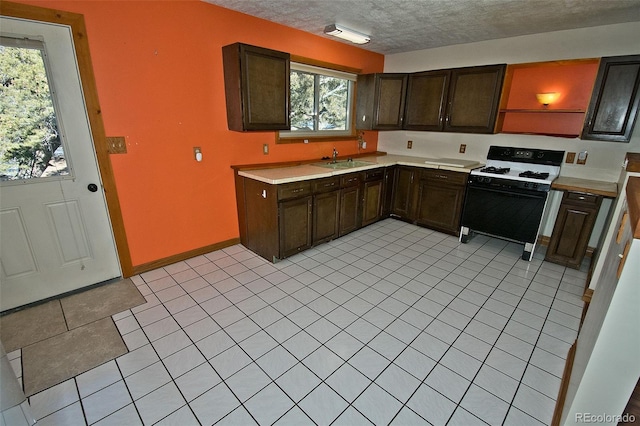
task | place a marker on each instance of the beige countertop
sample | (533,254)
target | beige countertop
(596,187)
(281,175)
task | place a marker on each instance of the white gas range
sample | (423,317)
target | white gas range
(506,198)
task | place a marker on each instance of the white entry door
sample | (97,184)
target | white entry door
(55,233)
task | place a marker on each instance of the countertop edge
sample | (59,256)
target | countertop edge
(594,187)
(382,161)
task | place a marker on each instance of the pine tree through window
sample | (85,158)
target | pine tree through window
(30,141)
(321,102)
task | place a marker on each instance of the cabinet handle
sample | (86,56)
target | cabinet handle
(623,258)
(295,191)
(326,185)
(580,198)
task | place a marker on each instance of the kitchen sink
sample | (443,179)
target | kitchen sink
(343,164)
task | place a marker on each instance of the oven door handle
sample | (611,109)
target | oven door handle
(511,192)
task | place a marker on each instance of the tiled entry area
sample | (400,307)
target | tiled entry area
(391,324)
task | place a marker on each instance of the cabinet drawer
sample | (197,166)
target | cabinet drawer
(293,190)
(375,174)
(455,178)
(352,179)
(582,198)
(324,185)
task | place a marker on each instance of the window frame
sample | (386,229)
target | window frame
(317,67)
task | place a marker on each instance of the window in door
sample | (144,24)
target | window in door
(321,102)
(31,144)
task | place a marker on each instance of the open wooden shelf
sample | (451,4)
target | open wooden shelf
(521,113)
(563,111)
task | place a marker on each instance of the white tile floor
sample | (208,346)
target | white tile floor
(392,324)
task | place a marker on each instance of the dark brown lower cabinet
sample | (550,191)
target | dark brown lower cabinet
(326,213)
(440,198)
(295,225)
(278,221)
(403,192)
(350,203)
(373,196)
(572,230)
(371,202)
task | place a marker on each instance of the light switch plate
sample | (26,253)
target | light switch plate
(117,145)
(571,157)
(582,157)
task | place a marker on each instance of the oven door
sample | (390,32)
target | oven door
(512,214)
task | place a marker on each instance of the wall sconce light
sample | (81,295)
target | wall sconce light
(547,98)
(346,34)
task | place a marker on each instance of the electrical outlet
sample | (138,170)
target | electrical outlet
(582,157)
(409,144)
(463,148)
(265,149)
(116,145)
(571,157)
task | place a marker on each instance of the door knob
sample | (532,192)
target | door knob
(92,187)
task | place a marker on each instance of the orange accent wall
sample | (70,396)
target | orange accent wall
(158,67)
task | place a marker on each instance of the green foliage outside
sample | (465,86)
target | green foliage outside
(29,133)
(332,94)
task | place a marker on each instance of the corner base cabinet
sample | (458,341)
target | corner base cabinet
(572,230)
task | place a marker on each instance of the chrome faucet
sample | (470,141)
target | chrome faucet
(335,155)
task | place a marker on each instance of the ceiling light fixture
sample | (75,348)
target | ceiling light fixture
(346,34)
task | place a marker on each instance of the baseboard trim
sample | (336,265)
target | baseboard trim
(543,240)
(146,267)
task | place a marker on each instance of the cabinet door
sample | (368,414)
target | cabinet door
(349,209)
(390,95)
(572,230)
(295,226)
(614,104)
(426,100)
(474,95)
(326,212)
(372,202)
(380,101)
(440,206)
(256,88)
(403,192)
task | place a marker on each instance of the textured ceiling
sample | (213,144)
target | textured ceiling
(397,26)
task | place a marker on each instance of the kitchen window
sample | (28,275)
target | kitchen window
(31,144)
(321,103)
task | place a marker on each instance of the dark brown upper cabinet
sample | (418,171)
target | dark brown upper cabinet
(426,100)
(380,101)
(474,96)
(614,103)
(256,82)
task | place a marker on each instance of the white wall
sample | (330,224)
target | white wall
(605,158)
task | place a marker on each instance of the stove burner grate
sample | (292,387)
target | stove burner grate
(534,175)
(496,170)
